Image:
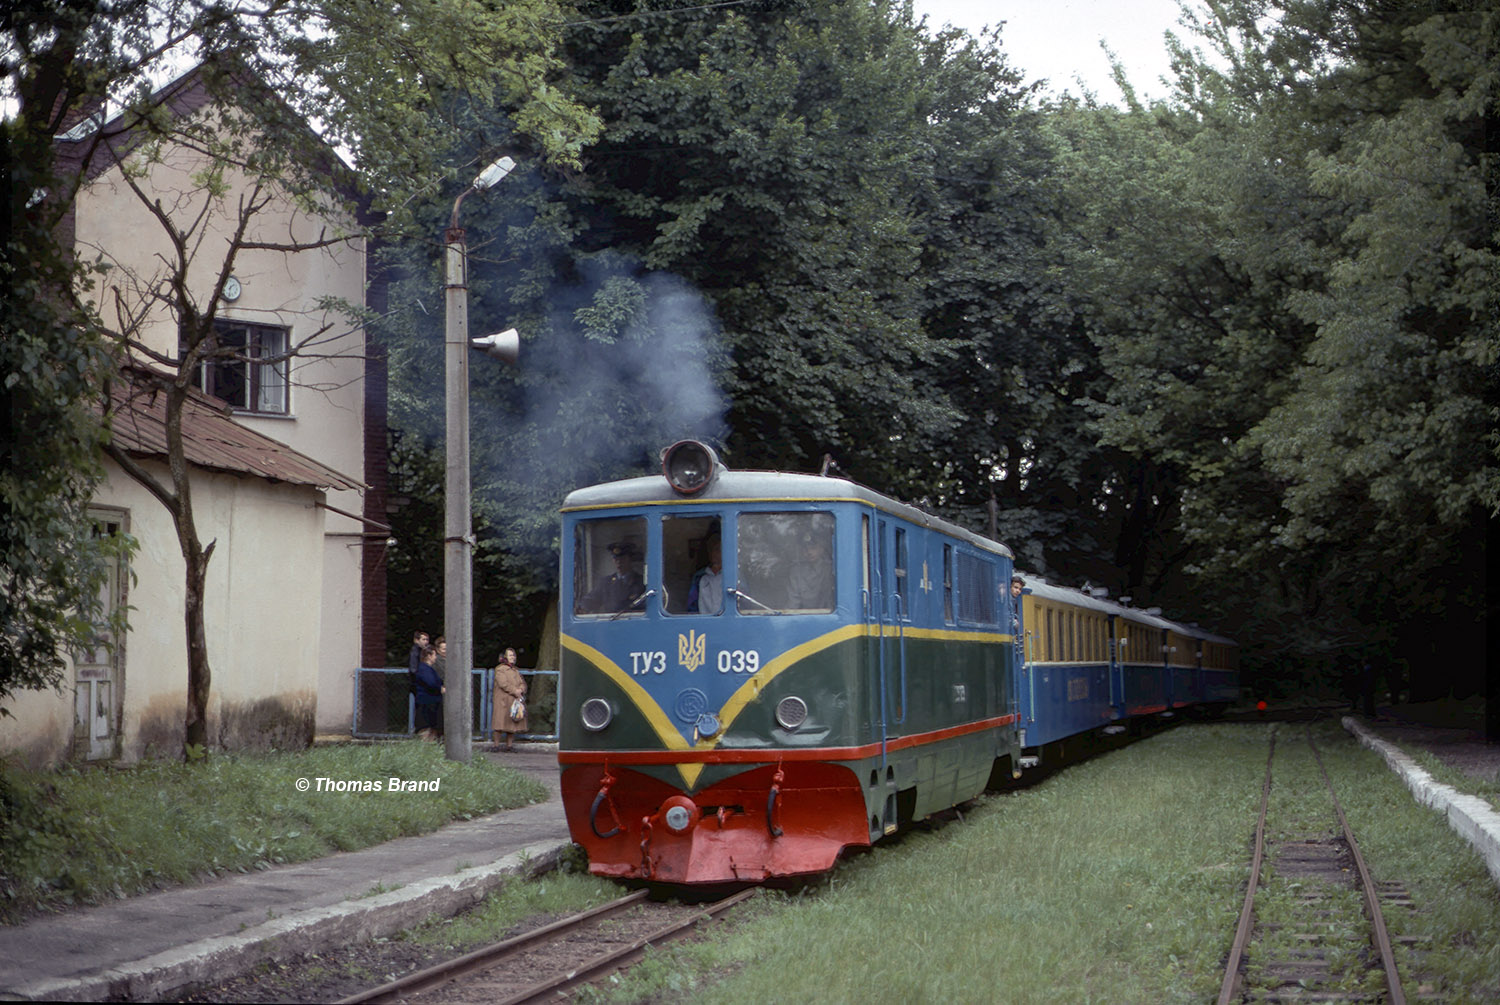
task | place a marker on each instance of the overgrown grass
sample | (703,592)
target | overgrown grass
(73,836)
(1458,902)
(1119,880)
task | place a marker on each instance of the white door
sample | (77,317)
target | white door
(99,668)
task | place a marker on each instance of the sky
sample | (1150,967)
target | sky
(1059,39)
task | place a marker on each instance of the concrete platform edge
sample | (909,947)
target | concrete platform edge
(303,932)
(1472,817)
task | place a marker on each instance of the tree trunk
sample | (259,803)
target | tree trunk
(195,724)
(195,560)
(548,652)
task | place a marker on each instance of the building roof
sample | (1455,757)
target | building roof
(211,437)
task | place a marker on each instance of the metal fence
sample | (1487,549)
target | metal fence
(384,705)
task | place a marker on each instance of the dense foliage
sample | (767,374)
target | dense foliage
(1231,353)
(1290,273)
(51,362)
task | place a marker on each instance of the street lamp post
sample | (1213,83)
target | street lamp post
(458,534)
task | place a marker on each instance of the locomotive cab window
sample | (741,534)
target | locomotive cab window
(785,563)
(609,566)
(692,565)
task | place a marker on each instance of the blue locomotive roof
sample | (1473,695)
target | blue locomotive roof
(763,487)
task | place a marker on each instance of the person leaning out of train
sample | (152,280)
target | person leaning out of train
(509,716)
(1017,585)
(706,595)
(624,589)
(429,691)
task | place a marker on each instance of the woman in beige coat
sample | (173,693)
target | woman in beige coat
(509,686)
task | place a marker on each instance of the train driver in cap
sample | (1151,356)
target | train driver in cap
(624,589)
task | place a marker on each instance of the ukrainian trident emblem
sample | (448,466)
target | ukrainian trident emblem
(691,650)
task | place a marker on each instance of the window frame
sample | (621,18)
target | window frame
(215,371)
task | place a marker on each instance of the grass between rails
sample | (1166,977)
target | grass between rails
(74,836)
(1118,880)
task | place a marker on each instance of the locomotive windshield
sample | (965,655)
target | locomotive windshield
(609,566)
(785,563)
(692,565)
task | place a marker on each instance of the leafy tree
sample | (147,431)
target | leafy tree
(1290,275)
(51,362)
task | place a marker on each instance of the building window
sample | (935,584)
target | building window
(246,367)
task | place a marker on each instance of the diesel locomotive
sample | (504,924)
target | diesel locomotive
(761,669)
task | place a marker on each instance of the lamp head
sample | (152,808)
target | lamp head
(504,345)
(490,176)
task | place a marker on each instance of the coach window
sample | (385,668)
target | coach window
(785,563)
(692,565)
(609,566)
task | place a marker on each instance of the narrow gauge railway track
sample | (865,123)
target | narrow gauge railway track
(1311,938)
(541,964)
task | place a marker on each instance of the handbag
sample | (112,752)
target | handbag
(518,709)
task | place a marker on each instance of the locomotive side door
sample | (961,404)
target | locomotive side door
(884,662)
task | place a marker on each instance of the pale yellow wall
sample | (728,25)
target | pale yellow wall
(341,633)
(326,419)
(261,612)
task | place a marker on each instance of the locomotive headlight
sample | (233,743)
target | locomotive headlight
(689,466)
(596,713)
(791,712)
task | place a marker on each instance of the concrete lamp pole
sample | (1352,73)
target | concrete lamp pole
(458,534)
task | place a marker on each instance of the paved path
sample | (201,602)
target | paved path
(144,947)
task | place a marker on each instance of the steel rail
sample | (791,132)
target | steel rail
(486,957)
(1245,928)
(592,970)
(1367,888)
(1247,912)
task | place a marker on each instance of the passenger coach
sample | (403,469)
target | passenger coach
(1090,663)
(760,669)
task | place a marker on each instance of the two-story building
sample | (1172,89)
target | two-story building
(286,451)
